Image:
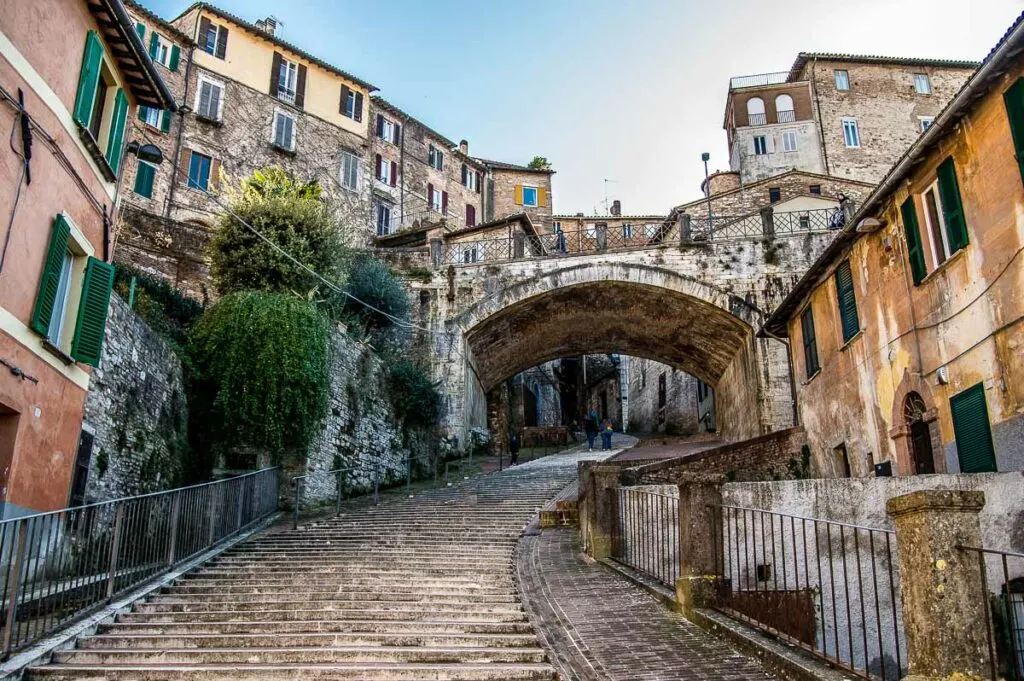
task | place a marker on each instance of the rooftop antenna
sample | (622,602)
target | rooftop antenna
(607,206)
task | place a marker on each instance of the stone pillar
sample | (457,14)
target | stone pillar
(768,221)
(700,497)
(436,252)
(603,502)
(945,600)
(685,229)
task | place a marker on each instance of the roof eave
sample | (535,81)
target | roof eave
(151,90)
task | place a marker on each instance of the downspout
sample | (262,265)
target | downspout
(181,132)
(817,106)
(401,162)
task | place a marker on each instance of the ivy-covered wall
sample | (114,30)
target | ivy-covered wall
(137,411)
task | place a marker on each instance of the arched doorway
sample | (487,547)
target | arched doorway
(920,434)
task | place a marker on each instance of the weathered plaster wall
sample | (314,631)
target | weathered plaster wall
(753,166)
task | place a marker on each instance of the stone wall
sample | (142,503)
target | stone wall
(679,414)
(504,181)
(136,410)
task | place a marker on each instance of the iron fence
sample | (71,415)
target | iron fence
(769,224)
(759,79)
(59,566)
(1002,574)
(829,587)
(646,536)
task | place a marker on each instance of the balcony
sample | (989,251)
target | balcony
(757,119)
(759,80)
(785,116)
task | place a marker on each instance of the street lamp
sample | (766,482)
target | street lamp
(707,187)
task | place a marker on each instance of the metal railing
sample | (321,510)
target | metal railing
(757,119)
(63,565)
(755,80)
(785,116)
(1002,574)
(646,533)
(767,224)
(831,588)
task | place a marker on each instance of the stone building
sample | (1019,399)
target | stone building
(511,188)
(614,230)
(904,335)
(664,399)
(835,114)
(68,94)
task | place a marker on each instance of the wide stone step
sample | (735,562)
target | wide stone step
(255,572)
(283,640)
(340,596)
(374,626)
(349,581)
(203,605)
(404,613)
(298,672)
(372,590)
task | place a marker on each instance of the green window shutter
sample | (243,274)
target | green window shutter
(952,207)
(847,301)
(142,113)
(87,344)
(115,141)
(154,44)
(1014,100)
(50,278)
(175,58)
(140,28)
(913,235)
(811,365)
(973,434)
(144,175)
(165,120)
(88,79)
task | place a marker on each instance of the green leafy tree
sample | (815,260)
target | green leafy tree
(415,398)
(261,376)
(371,281)
(539,163)
(292,214)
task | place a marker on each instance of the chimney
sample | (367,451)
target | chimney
(464,147)
(616,209)
(268,25)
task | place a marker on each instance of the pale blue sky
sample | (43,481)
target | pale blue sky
(632,91)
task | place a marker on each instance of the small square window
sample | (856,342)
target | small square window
(349,170)
(926,122)
(435,158)
(529,196)
(789,141)
(760,145)
(774,194)
(209,99)
(842,79)
(815,189)
(922,84)
(851,133)
(627,231)
(151,116)
(284,131)
(199,171)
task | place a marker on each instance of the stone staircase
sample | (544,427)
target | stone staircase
(419,588)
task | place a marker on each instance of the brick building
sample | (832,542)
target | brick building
(69,95)
(904,335)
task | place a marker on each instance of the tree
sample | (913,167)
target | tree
(539,163)
(372,282)
(293,215)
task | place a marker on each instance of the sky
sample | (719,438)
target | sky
(631,92)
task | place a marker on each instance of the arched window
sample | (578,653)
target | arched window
(784,109)
(755,111)
(921,450)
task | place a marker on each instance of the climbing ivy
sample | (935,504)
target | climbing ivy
(415,398)
(262,381)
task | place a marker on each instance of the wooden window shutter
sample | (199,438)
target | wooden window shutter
(847,301)
(115,141)
(972,431)
(344,100)
(542,196)
(470,215)
(175,58)
(275,73)
(379,161)
(810,343)
(165,120)
(912,233)
(464,174)
(300,88)
(49,281)
(1014,100)
(214,173)
(186,163)
(142,113)
(204,31)
(88,79)
(140,28)
(394,173)
(359,107)
(87,344)
(430,196)
(222,41)
(144,174)
(952,207)
(479,181)
(444,203)
(154,44)
(519,194)
(380,126)
(398,133)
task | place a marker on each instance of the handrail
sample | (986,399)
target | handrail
(800,517)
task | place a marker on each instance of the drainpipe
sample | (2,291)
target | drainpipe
(817,106)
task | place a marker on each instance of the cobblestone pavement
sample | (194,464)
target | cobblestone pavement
(599,626)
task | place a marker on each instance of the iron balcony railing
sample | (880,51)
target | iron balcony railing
(1002,575)
(785,116)
(646,533)
(759,79)
(766,224)
(60,566)
(831,588)
(757,119)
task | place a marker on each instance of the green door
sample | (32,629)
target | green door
(973,433)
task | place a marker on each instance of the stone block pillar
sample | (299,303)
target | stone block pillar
(699,580)
(768,222)
(685,229)
(599,512)
(945,600)
(436,252)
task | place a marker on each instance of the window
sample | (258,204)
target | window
(284,131)
(944,222)
(842,79)
(842,461)
(811,365)
(213,39)
(815,189)
(387,130)
(349,171)
(913,238)
(470,178)
(150,116)
(650,229)
(199,171)
(383,219)
(851,133)
(209,99)
(922,85)
(164,52)
(529,196)
(144,175)
(627,231)
(847,301)
(74,293)
(435,158)
(774,194)
(789,141)
(925,121)
(101,108)
(287,81)
(591,230)
(438,199)
(383,170)
(784,109)
(351,104)
(936,226)
(755,111)
(972,430)
(760,145)
(470,215)
(1013,99)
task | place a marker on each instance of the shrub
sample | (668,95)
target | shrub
(372,282)
(165,309)
(416,400)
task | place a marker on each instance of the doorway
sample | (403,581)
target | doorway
(921,452)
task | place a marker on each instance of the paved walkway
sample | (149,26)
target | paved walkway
(598,626)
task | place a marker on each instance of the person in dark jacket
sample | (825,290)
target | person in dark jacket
(606,434)
(590,426)
(513,449)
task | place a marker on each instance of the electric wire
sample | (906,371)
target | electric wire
(21,184)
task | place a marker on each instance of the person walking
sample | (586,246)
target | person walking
(590,426)
(513,449)
(606,434)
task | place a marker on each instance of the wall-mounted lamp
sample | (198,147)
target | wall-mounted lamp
(150,153)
